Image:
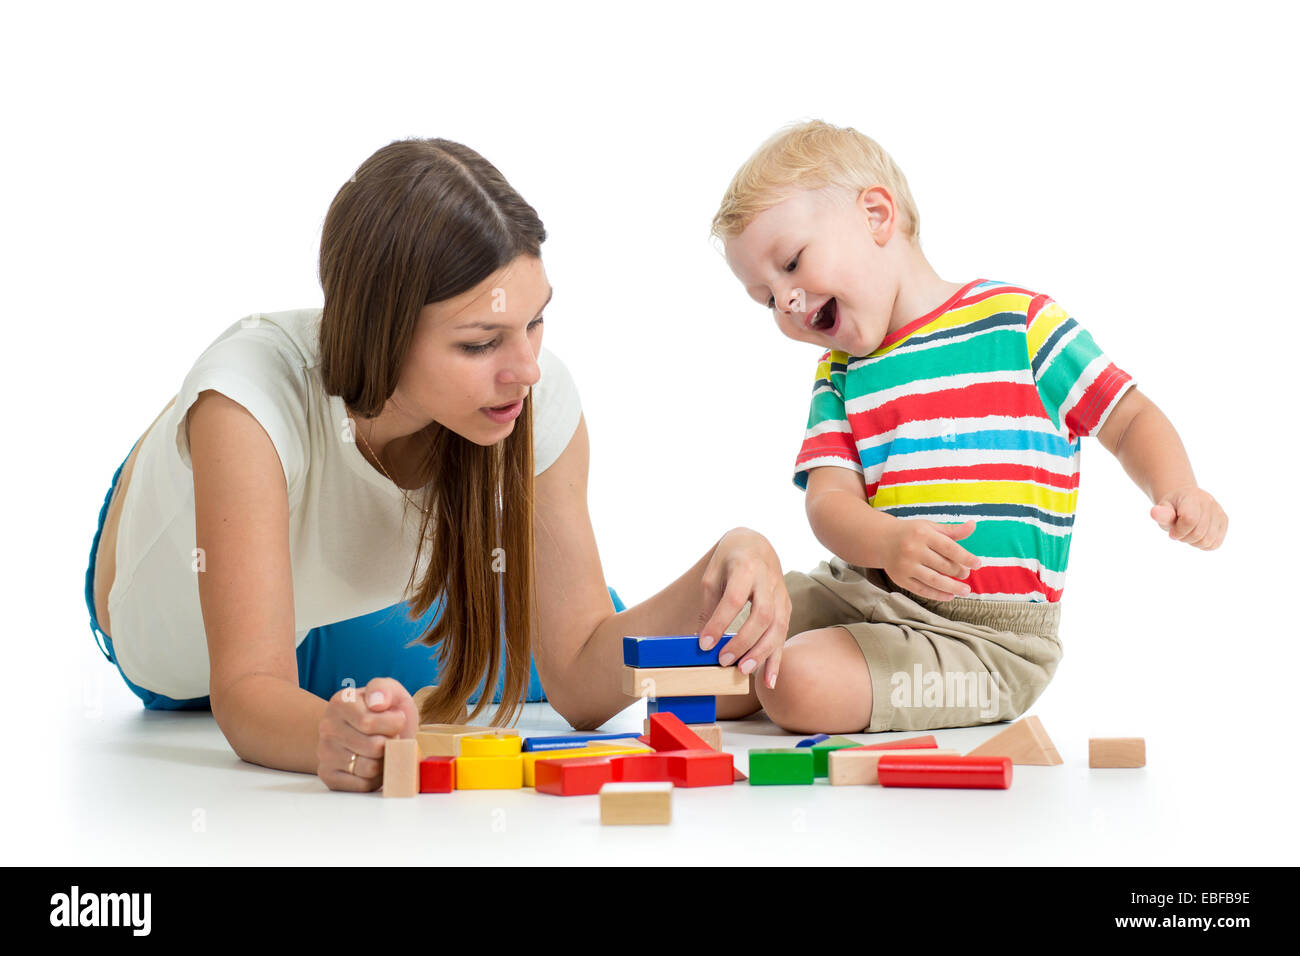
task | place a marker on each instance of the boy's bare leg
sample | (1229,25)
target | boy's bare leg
(824,685)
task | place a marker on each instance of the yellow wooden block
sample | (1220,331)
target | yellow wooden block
(502,743)
(645,802)
(707,681)
(531,757)
(489,773)
(621,744)
(443,740)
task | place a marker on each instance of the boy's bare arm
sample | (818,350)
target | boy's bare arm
(922,556)
(1148,447)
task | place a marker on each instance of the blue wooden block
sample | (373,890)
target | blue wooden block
(813,740)
(689,710)
(576,741)
(676,650)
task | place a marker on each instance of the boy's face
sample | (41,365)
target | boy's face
(820,260)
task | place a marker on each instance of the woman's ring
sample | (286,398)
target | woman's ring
(352,764)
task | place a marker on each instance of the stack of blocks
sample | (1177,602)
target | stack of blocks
(679,678)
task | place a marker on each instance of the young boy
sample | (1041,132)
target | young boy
(941,412)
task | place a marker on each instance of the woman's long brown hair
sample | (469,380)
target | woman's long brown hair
(422,221)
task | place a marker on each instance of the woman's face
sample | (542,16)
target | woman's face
(473,358)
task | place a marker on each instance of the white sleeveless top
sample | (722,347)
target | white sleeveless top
(349,551)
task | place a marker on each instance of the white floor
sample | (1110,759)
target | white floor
(114,784)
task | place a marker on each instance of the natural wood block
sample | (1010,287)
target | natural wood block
(401,767)
(1117,752)
(443,740)
(641,802)
(858,767)
(1025,742)
(711,734)
(683,681)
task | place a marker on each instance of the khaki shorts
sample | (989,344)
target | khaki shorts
(933,663)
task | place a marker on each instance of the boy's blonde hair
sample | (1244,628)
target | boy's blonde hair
(812,155)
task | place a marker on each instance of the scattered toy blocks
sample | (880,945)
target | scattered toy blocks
(690,710)
(443,740)
(780,766)
(401,767)
(534,757)
(928,770)
(662,682)
(569,740)
(1025,742)
(667,732)
(437,774)
(856,766)
(643,802)
(821,749)
(489,773)
(1117,752)
(711,734)
(671,650)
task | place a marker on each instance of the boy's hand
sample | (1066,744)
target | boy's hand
(924,557)
(1192,515)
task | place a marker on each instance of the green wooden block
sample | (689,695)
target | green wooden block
(784,765)
(821,753)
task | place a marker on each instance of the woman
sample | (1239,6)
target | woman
(250,559)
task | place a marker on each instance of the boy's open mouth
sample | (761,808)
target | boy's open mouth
(824,318)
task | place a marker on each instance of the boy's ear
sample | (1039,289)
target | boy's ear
(877,207)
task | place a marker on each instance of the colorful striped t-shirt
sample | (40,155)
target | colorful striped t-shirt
(974,411)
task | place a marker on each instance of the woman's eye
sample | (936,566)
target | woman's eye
(488,346)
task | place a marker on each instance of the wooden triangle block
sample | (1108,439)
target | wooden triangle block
(1025,742)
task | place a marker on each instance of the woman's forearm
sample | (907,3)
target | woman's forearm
(271,722)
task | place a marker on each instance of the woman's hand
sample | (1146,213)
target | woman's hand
(924,557)
(745,568)
(357,721)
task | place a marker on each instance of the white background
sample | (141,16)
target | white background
(166,171)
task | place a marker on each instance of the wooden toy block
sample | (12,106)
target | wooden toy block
(573,777)
(401,767)
(780,766)
(642,802)
(822,749)
(690,710)
(489,773)
(671,650)
(855,766)
(1117,752)
(700,768)
(437,774)
(1025,742)
(711,734)
(622,745)
(443,740)
(667,732)
(534,757)
(910,743)
(569,740)
(638,767)
(927,770)
(501,743)
(683,681)
(813,740)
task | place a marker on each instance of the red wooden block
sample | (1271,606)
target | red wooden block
(737,775)
(571,777)
(918,743)
(639,767)
(668,732)
(920,770)
(700,768)
(645,739)
(437,774)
